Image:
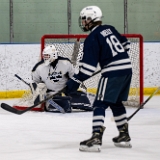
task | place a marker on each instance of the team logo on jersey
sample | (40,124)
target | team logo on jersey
(55,76)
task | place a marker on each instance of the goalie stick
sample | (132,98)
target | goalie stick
(54,104)
(74,59)
(75,52)
(19,112)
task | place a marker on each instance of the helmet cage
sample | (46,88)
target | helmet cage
(49,54)
(89,24)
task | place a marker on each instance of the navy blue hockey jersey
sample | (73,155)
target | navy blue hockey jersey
(106,46)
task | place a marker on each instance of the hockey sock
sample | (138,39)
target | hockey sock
(119,113)
(98,119)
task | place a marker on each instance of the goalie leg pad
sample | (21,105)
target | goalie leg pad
(63,102)
(38,91)
(80,101)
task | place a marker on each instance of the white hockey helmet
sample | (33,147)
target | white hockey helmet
(92,13)
(49,54)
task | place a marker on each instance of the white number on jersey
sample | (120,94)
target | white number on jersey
(115,45)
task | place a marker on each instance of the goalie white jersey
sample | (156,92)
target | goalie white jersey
(55,75)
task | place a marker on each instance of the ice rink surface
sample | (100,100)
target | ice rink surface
(56,136)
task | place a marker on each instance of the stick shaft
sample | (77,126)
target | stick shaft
(19,112)
(140,107)
(22,79)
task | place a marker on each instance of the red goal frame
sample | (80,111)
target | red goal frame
(79,36)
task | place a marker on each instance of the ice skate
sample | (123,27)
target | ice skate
(123,140)
(94,143)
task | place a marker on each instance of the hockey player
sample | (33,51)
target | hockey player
(50,76)
(106,46)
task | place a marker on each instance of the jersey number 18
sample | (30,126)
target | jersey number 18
(114,45)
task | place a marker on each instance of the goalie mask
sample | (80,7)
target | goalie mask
(49,54)
(88,16)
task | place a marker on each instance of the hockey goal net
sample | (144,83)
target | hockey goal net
(71,46)
(66,44)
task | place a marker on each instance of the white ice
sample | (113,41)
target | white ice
(56,136)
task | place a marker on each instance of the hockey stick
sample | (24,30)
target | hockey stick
(140,107)
(54,104)
(96,73)
(22,80)
(75,52)
(19,112)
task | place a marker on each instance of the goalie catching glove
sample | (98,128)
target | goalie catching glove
(38,91)
(73,84)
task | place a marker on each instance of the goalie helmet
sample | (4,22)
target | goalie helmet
(91,14)
(49,54)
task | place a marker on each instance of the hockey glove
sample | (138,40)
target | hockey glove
(72,85)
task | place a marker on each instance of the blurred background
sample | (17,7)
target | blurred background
(25,21)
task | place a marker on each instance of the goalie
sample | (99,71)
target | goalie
(50,76)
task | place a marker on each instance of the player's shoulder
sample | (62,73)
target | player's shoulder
(40,63)
(65,62)
(105,27)
(64,59)
(104,30)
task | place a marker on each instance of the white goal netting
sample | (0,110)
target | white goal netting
(71,46)
(66,46)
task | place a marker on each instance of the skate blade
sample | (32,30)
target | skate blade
(94,148)
(123,145)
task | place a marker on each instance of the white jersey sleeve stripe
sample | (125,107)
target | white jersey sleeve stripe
(115,68)
(119,62)
(87,66)
(86,72)
(126,43)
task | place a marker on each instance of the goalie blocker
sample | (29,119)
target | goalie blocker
(78,100)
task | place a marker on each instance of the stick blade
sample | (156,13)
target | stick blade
(9,108)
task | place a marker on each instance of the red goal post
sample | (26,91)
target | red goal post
(64,43)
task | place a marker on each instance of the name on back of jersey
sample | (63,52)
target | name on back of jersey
(106,32)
